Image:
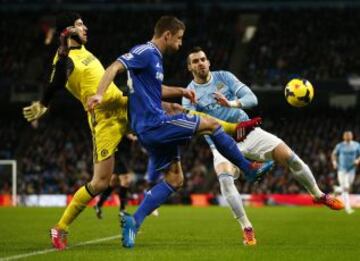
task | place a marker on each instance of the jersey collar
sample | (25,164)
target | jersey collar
(204,84)
(155,47)
(76,47)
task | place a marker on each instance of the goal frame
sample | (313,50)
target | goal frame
(13,164)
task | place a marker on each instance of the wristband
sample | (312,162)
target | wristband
(235,104)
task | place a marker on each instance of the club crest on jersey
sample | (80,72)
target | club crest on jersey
(104,153)
(160,76)
(219,86)
(127,56)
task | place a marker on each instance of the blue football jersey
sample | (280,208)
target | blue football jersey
(226,83)
(145,76)
(346,154)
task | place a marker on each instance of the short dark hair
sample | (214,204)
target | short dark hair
(67,19)
(195,49)
(168,23)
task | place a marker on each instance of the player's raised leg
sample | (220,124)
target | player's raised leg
(238,131)
(228,148)
(99,182)
(302,173)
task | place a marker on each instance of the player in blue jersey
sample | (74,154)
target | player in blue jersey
(222,95)
(159,133)
(345,158)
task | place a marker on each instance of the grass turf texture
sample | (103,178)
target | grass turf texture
(186,233)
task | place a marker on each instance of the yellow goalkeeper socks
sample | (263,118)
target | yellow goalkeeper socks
(228,127)
(81,198)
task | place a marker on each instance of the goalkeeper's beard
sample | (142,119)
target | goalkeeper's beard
(77,39)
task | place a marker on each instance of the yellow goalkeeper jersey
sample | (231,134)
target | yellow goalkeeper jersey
(84,75)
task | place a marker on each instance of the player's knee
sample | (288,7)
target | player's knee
(282,154)
(177,183)
(346,189)
(176,180)
(114,181)
(99,185)
(224,167)
(209,124)
(176,108)
(125,183)
(294,162)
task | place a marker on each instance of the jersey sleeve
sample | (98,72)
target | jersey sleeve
(336,150)
(186,103)
(61,70)
(358,150)
(245,95)
(135,60)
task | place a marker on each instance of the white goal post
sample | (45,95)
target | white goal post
(13,164)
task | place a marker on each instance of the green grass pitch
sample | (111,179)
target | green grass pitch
(188,233)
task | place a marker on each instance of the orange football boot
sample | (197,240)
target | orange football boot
(330,201)
(249,237)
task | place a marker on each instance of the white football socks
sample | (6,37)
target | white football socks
(303,174)
(346,198)
(232,196)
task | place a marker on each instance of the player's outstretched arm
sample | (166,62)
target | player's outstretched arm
(334,157)
(173,92)
(244,96)
(57,82)
(108,77)
(60,72)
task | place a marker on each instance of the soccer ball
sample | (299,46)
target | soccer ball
(299,92)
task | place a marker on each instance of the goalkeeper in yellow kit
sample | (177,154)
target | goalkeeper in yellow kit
(80,72)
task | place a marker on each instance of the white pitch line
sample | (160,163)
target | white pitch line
(45,251)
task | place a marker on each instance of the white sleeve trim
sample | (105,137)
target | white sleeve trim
(123,63)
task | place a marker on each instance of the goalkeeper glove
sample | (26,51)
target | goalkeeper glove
(34,111)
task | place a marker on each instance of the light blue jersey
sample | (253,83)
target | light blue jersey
(226,83)
(346,154)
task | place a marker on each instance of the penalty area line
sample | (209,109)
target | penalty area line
(49,250)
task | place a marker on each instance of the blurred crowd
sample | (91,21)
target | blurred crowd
(56,157)
(312,43)
(317,44)
(28,48)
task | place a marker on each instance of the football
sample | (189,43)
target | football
(299,92)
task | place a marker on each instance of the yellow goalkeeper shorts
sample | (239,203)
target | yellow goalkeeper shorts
(108,124)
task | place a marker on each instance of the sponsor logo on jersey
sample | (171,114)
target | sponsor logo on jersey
(160,76)
(104,153)
(127,56)
(220,86)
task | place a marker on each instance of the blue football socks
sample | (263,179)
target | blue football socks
(228,148)
(153,199)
